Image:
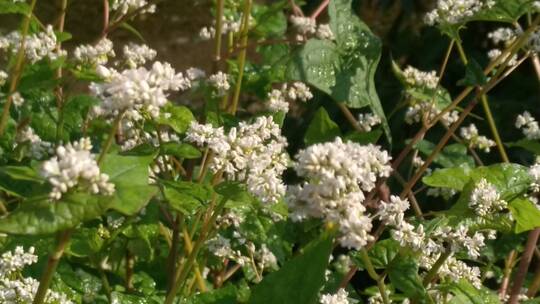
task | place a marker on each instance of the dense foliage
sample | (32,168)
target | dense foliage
(313,163)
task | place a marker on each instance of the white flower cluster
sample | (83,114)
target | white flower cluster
(278,100)
(138,54)
(368,120)
(433,245)
(340,297)
(420,109)
(534,172)
(136,89)
(17,99)
(502,36)
(220,81)
(73,166)
(445,193)
(3,77)
(415,77)
(230,25)
(254,153)
(38,147)
(471,136)
(306,26)
(485,199)
(126,6)
(456,11)
(378,299)
(94,54)
(36,46)
(529,126)
(14,288)
(337,174)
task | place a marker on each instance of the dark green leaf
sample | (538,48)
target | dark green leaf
(403,273)
(525,213)
(181,150)
(186,197)
(321,128)
(474,75)
(529,145)
(465,293)
(22,173)
(177,117)
(454,178)
(305,271)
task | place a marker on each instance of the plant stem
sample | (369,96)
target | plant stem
(435,268)
(59,91)
(524,265)
(110,138)
(17,70)
(535,285)
(373,274)
(105,283)
(487,110)
(52,263)
(509,264)
(188,246)
(106,14)
(241,56)
(130,263)
(320,9)
(219,36)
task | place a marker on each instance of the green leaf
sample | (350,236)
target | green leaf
(132,30)
(504,11)
(381,254)
(465,293)
(186,197)
(525,213)
(177,117)
(321,128)
(451,156)
(130,177)
(454,178)
(232,191)
(22,173)
(364,138)
(62,36)
(181,150)
(305,271)
(225,295)
(43,216)
(403,273)
(270,21)
(474,75)
(346,69)
(529,145)
(8,7)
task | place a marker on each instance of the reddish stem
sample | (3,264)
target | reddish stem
(523,267)
(320,9)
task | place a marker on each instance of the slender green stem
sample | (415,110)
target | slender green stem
(487,110)
(17,70)
(52,263)
(110,138)
(435,268)
(373,274)
(59,91)
(105,283)
(241,56)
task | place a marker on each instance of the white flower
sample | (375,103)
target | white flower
(503,35)
(220,81)
(456,11)
(94,54)
(340,297)
(470,134)
(325,32)
(378,299)
(534,172)
(485,199)
(337,174)
(195,73)
(207,33)
(3,77)
(73,166)
(254,153)
(392,213)
(37,46)
(304,25)
(529,126)
(38,147)
(125,6)
(17,99)
(137,89)
(368,120)
(415,77)
(298,90)
(138,54)
(277,102)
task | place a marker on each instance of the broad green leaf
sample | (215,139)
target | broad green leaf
(130,177)
(232,191)
(451,156)
(85,242)
(177,117)
(270,21)
(504,11)
(75,110)
(454,178)
(403,273)
(181,150)
(9,7)
(525,213)
(22,173)
(510,179)
(529,145)
(381,254)
(305,271)
(364,138)
(225,295)
(465,293)
(186,197)
(474,75)
(321,128)
(43,216)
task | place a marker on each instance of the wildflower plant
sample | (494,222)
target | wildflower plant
(313,159)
